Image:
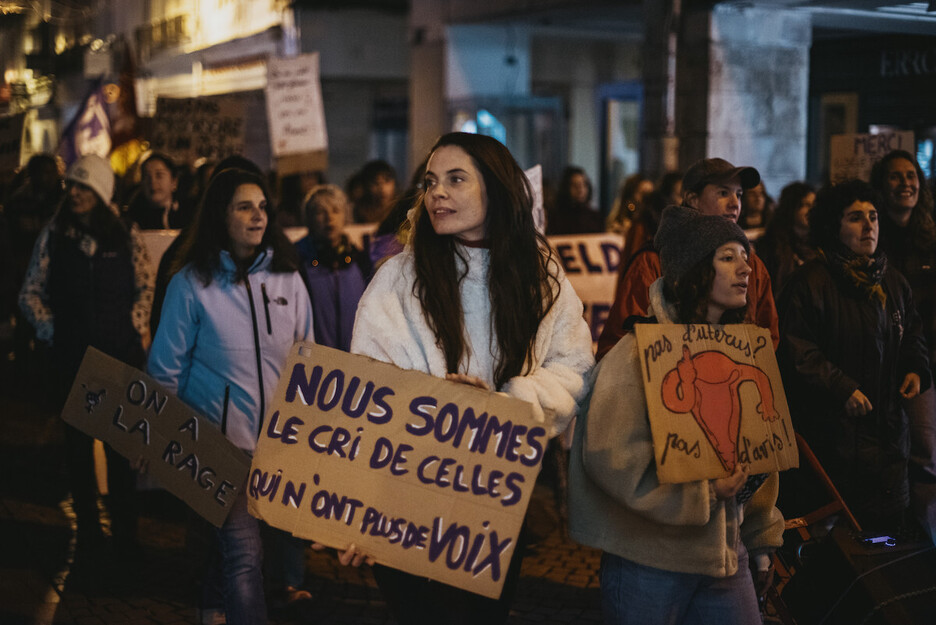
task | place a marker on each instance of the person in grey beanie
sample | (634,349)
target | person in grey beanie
(673,553)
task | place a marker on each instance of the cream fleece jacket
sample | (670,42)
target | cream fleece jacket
(616,502)
(390,326)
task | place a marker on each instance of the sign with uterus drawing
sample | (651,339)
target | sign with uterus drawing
(715,400)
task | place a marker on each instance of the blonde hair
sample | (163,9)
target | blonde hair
(327,193)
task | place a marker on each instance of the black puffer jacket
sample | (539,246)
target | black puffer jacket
(835,340)
(92,294)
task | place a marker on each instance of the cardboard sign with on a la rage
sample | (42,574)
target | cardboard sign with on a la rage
(425,475)
(187,454)
(715,399)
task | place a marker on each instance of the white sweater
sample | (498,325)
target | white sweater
(390,326)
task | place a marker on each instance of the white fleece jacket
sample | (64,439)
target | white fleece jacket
(390,326)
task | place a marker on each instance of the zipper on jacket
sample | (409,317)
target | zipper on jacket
(227,397)
(266,307)
(256,336)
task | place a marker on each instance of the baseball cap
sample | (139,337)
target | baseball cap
(717,171)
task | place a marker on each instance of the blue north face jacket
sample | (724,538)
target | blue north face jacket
(221,348)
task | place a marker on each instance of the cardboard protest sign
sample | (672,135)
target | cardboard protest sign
(294,105)
(188,455)
(212,127)
(428,476)
(189,128)
(715,399)
(853,155)
(591,262)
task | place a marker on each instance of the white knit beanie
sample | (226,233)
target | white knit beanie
(94,172)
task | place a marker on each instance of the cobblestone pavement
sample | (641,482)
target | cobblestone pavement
(38,586)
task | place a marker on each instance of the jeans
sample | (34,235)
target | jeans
(237,567)
(634,593)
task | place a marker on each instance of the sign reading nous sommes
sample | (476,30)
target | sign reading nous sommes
(428,476)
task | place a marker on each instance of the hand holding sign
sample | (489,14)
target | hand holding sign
(397,467)
(726,379)
(728,487)
(470,380)
(349,557)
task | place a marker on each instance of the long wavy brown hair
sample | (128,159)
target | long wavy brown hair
(521,287)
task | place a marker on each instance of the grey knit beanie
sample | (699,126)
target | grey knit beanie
(685,236)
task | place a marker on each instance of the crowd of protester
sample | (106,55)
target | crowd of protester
(843,277)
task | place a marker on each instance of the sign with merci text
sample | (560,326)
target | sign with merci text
(853,155)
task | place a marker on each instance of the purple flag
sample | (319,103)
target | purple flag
(89,130)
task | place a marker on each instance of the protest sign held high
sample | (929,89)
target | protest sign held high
(428,476)
(853,155)
(715,399)
(187,454)
(294,105)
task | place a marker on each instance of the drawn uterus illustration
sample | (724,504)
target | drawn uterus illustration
(707,385)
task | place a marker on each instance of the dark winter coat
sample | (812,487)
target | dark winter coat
(918,266)
(835,340)
(93,297)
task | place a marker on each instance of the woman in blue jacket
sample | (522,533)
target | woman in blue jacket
(230,317)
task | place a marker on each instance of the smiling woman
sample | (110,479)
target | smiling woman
(157,204)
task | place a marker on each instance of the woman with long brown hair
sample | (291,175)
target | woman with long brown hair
(476,297)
